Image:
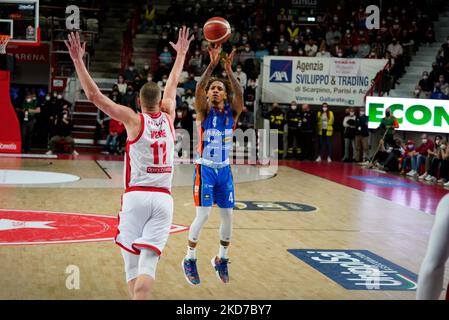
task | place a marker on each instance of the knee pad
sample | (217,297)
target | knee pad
(202,214)
(226,224)
(148,260)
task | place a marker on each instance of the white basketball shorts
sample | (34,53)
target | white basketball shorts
(144,221)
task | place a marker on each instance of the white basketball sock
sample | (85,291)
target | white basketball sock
(191,253)
(223,252)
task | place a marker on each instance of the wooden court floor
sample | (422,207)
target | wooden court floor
(261,267)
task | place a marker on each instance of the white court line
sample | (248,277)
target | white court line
(28,155)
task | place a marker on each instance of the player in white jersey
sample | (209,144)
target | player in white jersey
(147,206)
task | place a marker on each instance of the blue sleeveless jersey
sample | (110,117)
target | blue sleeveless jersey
(215,137)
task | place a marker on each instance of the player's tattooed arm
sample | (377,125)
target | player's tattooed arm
(118,112)
(237,90)
(181,47)
(201,105)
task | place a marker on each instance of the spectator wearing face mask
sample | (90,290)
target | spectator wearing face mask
(444,86)
(62,134)
(361,137)
(149,77)
(30,110)
(323,51)
(276,51)
(268,36)
(437,94)
(407,156)
(241,76)
(420,155)
(293,30)
(163,82)
(189,98)
(349,127)
(245,55)
(325,123)
(246,119)
(387,126)
(431,155)
(129,99)
(436,157)
(163,42)
(396,51)
(115,96)
(293,125)
(166,57)
(310,48)
(282,45)
(130,73)
(196,63)
(249,95)
(444,169)
(332,35)
(425,86)
(145,70)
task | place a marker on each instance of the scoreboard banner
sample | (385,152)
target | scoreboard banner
(337,81)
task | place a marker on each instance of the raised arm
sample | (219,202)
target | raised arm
(118,112)
(181,47)
(237,90)
(201,106)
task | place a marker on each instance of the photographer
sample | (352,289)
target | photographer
(62,134)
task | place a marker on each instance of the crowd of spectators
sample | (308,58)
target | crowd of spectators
(45,121)
(434,84)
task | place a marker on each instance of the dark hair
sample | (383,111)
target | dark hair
(226,84)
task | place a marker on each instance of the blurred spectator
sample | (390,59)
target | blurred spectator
(101,126)
(235,37)
(115,96)
(190,83)
(163,82)
(325,122)
(396,51)
(307,133)
(145,71)
(61,136)
(121,84)
(361,137)
(293,30)
(425,86)
(196,63)
(310,48)
(130,73)
(246,54)
(323,50)
(246,119)
(332,36)
(443,85)
(189,98)
(387,158)
(30,111)
(388,125)
(129,99)
(419,156)
(116,129)
(277,122)
(349,125)
(241,76)
(438,94)
(166,57)
(435,157)
(184,118)
(282,45)
(409,150)
(293,125)
(429,36)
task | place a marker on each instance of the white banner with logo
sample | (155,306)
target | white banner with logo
(337,81)
(421,115)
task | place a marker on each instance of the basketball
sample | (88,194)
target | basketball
(217,30)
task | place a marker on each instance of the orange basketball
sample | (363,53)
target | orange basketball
(217,30)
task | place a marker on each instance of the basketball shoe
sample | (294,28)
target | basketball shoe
(190,271)
(221,268)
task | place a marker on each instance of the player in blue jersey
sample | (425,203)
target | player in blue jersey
(218,104)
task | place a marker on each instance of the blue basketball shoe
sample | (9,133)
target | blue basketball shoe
(190,271)
(221,268)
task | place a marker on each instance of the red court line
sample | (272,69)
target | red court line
(424,198)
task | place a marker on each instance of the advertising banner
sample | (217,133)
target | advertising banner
(421,115)
(337,81)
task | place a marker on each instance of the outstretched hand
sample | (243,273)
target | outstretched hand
(228,61)
(214,53)
(76,50)
(183,43)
